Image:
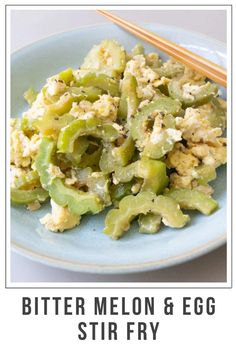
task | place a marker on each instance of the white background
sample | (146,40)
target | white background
(28,26)
(177,334)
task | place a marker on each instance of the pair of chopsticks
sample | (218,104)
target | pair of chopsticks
(206,67)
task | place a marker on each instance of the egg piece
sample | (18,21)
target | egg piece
(55,87)
(177,181)
(106,107)
(55,171)
(210,154)
(147,79)
(34,143)
(83,109)
(196,128)
(60,219)
(182,160)
(38,108)
(15,173)
(20,151)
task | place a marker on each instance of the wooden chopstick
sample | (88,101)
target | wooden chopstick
(188,58)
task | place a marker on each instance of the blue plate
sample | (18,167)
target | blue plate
(86,248)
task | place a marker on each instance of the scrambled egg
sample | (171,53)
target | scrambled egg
(153,57)
(105,58)
(189,90)
(55,171)
(34,143)
(20,148)
(207,189)
(143,104)
(34,206)
(189,182)
(60,219)
(197,129)
(215,113)
(38,108)
(147,79)
(178,181)
(209,154)
(160,134)
(191,75)
(83,109)
(72,179)
(204,147)
(55,86)
(15,173)
(182,160)
(105,107)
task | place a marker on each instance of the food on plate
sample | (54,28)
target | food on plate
(124,131)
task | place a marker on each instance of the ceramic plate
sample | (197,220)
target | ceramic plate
(86,248)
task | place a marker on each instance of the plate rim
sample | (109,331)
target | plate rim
(177,28)
(118,269)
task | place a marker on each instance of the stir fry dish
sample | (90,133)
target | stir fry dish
(124,131)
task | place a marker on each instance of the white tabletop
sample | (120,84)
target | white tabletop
(28,26)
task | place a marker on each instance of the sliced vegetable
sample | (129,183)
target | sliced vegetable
(217,114)
(100,81)
(170,69)
(119,191)
(66,75)
(107,162)
(29,180)
(124,152)
(149,223)
(118,220)
(97,182)
(30,96)
(161,143)
(92,126)
(91,159)
(22,124)
(158,180)
(163,104)
(138,49)
(74,94)
(88,93)
(108,57)
(50,124)
(192,95)
(63,105)
(205,174)
(193,199)
(153,172)
(80,146)
(157,144)
(113,157)
(78,202)
(153,60)
(21,196)
(129,100)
